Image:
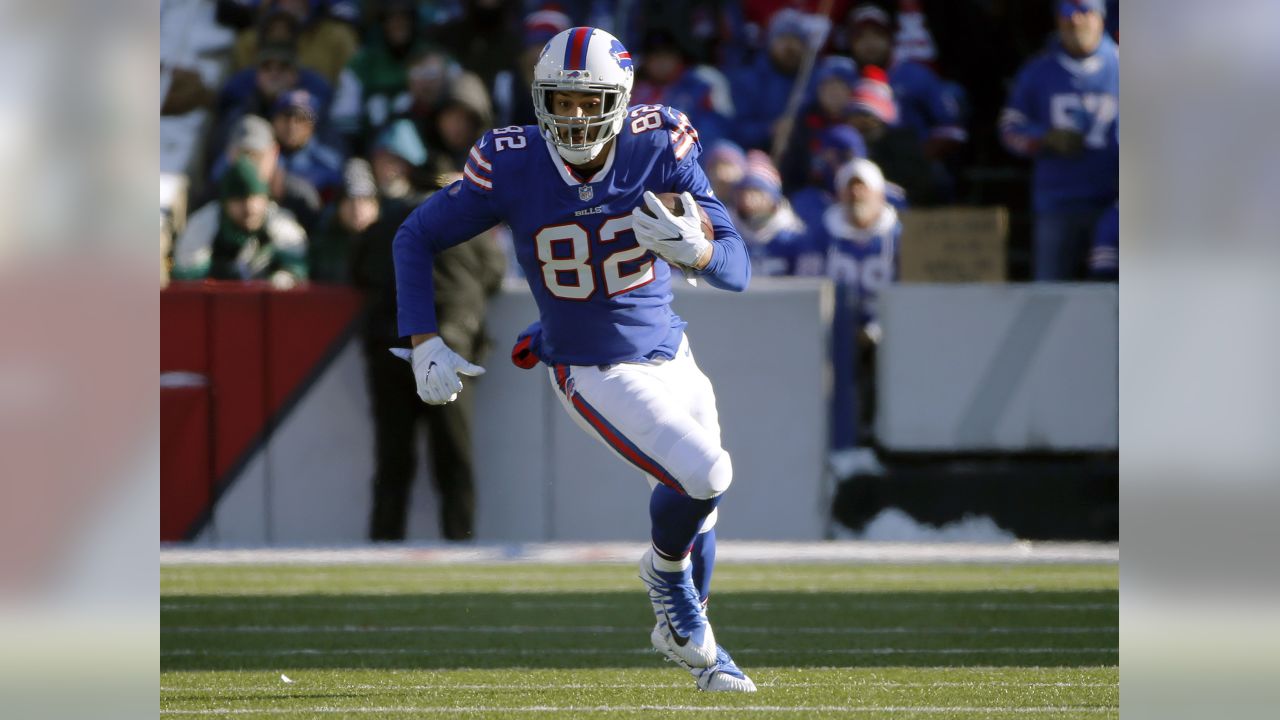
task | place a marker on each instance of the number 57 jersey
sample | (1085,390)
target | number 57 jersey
(601,297)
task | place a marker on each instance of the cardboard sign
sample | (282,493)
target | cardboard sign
(954,244)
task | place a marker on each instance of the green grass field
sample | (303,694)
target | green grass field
(538,641)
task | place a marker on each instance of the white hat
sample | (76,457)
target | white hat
(860,169)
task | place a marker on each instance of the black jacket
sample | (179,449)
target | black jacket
(465,277)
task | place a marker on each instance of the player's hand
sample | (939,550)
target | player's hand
(436,369)
(675,239)
(1063,141)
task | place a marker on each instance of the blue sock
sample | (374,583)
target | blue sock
(704,562)
(676,518)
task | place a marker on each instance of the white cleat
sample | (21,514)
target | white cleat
(723,676)
(683,631)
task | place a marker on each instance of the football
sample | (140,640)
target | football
(671,201)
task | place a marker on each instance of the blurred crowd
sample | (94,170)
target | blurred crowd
(975,102)
(821,122)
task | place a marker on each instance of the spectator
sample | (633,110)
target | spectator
(725,165)
(893,147)
(465,277)
(761,89)
(374,87)
(666,78)
(301,153)
(325,44)
(836,146)
(1104,260)
(431,74)
(512,97)
(927,105)
(254,138)
(775,236)
(461,119)
(255,91)
(861,233)
(397,154)
(1064,113)
(913,41)
(242,235)
(329,251)
(834,81)
(483,39)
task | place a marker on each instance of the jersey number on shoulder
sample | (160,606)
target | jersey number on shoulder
(504,139)
(649,117)
(565,253)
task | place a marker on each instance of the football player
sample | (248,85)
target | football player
(574,190)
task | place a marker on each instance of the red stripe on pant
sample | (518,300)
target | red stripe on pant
(615,439)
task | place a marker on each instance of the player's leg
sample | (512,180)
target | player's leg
(696,388)
(693,385)
(630,408)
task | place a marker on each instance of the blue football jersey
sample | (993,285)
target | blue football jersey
(601,298)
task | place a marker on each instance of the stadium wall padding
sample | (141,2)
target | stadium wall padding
(1003,368)
(539,477)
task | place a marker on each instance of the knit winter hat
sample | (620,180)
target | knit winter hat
(860,169)
(873,95)
(297,100)
(357,179)
(762,175)
(541,26)
(241,180)
(838,67)
(869,14)
(252,134)
(726,151)
(1067,8)
(401,139)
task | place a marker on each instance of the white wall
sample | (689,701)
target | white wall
(539,477)
(999,367)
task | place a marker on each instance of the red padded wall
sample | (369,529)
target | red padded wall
(185,487)
(257,347)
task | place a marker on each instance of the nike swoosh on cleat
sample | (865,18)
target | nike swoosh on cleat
(681,641)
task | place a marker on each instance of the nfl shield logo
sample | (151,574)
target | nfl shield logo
(585,192)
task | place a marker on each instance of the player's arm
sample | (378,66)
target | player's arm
(726,263)
(1021,127)
(451,216)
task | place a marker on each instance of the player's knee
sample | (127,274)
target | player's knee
(715,479)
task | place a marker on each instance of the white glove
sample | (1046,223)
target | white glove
(436,368)
(677,240)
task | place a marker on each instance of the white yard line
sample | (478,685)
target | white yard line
(238,602)
(401,710)
(526,687)
(622,552)
(322,652)
(624,630)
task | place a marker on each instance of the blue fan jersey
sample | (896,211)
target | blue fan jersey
(601,298)
(1055,90)
(927,104)
(861,261)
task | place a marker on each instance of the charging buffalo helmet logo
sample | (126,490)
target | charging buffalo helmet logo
(620,55)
